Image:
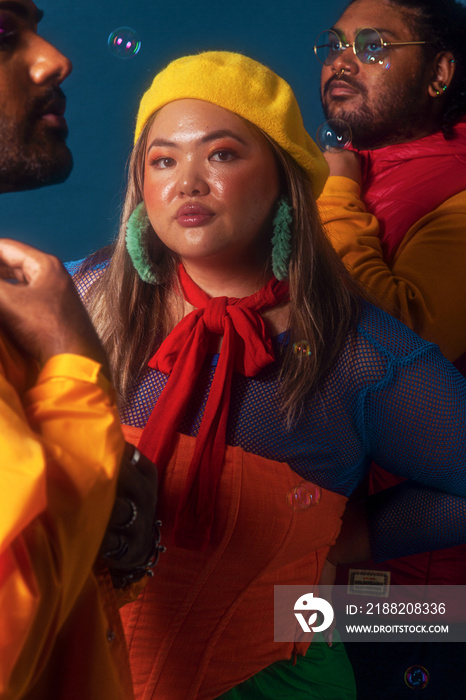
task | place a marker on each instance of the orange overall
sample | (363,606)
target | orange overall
(205,622)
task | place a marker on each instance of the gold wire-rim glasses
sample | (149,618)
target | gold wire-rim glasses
(368,46)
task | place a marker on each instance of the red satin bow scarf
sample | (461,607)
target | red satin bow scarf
(247,349)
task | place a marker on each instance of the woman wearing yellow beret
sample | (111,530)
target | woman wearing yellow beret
(247,362)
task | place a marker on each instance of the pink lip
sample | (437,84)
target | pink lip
(53,113)
(193,215)
(339,88)
(54,120)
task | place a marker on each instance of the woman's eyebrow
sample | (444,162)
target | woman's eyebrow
(221,133)
(163,143)
(213,136)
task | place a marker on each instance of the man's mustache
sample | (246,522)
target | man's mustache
(53,99)
(349,80)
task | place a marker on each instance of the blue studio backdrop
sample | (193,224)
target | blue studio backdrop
(103,91)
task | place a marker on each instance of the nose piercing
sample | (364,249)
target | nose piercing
(343,70)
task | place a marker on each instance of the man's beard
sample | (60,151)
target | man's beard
(390,118)
(32,154)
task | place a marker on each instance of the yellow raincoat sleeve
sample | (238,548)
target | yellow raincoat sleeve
(60,447)
(424,285)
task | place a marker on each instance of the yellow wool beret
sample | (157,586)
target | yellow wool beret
(245,87)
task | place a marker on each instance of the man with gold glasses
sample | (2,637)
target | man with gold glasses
(394,71)
(368,46)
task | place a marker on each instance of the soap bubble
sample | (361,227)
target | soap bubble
(376,64)
(333,135)
(416,677)
(124,42)
(303,496)
(302,347)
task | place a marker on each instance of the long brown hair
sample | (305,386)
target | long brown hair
(132,317)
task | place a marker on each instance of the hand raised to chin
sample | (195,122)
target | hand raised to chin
(40,308)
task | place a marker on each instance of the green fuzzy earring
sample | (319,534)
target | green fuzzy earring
(281,239)
(136,228)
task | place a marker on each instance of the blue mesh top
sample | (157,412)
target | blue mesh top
(391,397)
